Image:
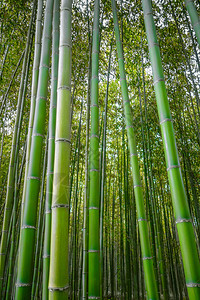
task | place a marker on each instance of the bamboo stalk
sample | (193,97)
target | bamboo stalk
(51,147)
(58,276)
(12,165)
(94,191)
(27,232)
(179,199)
(194,17)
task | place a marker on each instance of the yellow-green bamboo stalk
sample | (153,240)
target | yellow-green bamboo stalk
(58,278)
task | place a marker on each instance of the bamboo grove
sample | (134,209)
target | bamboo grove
(99,149)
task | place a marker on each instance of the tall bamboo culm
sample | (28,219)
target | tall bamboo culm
(27,231)
(86,190)
(143,228)
(12,165)
(36,63)
(179,199)
(94,192)
(58,278)
(195,20)
(51,148)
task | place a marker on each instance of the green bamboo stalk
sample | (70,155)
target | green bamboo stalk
(74,225)
(10,267)
(94,192)
(36,63)
(10,83)
(194,17)
(12,165)
(4,60)
(58,278)
(104,171)
(39,224)
(179,199)
(86,190)
(16,158)
(27,232)
(143,229)
(51,147)
(191,34)
(186,57)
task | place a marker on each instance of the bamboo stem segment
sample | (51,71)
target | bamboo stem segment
(179,199)
(94,192)
(28,226)
(58,276)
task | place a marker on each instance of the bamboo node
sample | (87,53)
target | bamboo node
(94,297)
(44,66)
(141,219)
(23,284)
(133,154)
(46,256)
(95,170)
(2,253)
(94,105)
(192,285)
(153,44)
(64,87)
(38,134)
(127,101)
(94,135)
(59,289)
(166,120)
(41,97)
(33,177)
(148,13)
(28,227)
(50,173)
(95,77)
(93,207)
(182,220)
(63,140)
(93,251)
(137,185)
(158,80)
(65,45)
(65,8)
(147,257)
(60,206)
(173,167)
